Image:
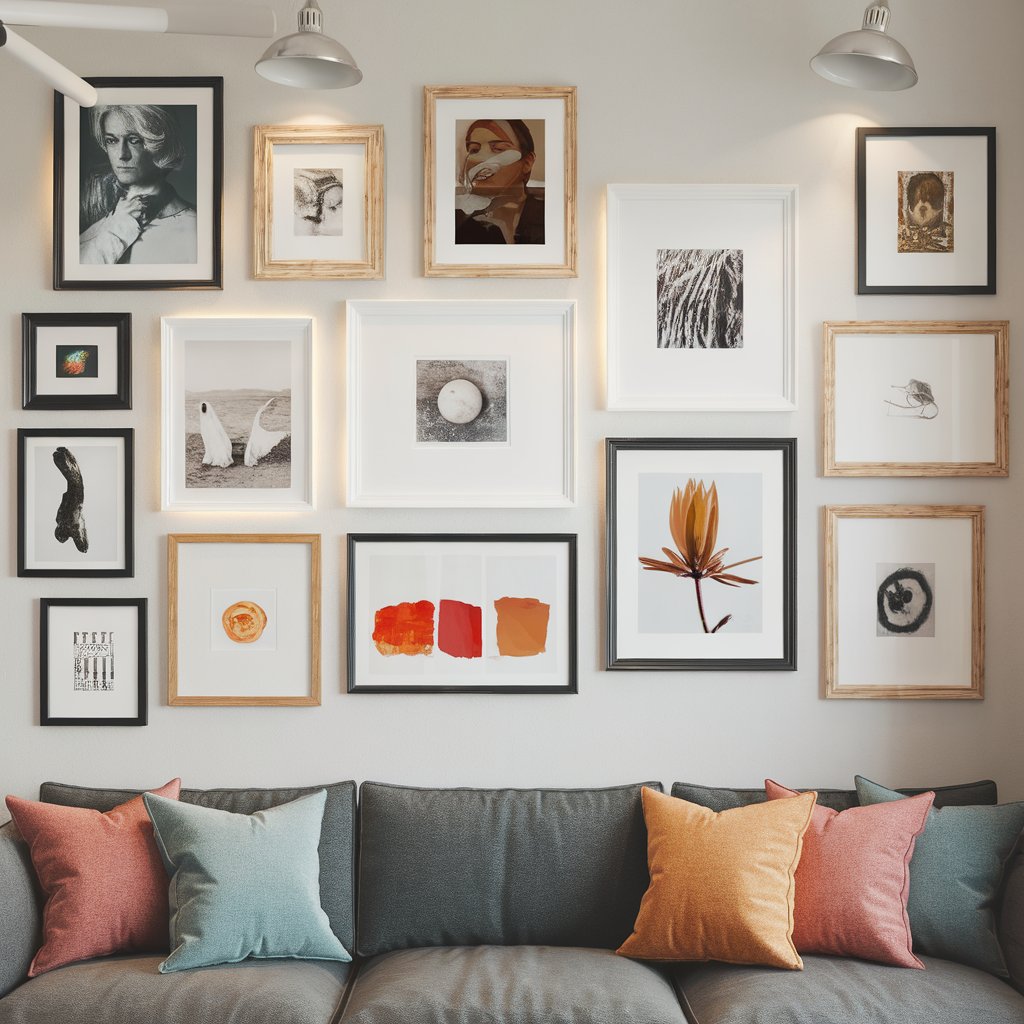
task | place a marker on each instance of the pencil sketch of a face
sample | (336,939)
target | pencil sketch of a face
(318,201)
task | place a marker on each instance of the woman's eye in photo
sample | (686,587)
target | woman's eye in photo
(473,148)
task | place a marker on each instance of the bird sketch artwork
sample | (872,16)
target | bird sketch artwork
(905,601)
(700,298)
(70,517)
(916,401)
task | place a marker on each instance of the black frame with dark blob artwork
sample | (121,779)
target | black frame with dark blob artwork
(70,521)
(94,212)
(950,249)
(36,368)
(96,654)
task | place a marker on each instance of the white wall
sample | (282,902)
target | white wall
(669,91)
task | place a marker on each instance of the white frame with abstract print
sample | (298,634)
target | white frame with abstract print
(704,261)
(905,602)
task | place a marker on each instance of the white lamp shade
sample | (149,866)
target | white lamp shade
(309,60)
(866,59)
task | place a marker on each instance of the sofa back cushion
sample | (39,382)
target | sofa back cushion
(21,909)
(1011,921)
(337,834)
(466,867)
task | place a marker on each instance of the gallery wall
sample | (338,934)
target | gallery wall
(668,91)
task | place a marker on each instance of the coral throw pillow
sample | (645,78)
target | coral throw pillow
(853,879)
(104,881)
(722,884)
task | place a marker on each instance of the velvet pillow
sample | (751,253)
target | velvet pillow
(105,885)
(955,877)
(244,885)
(722,884)
(853,879)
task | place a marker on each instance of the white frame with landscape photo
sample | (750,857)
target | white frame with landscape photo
(739,244)
(350,161)
(904,602)
(443,108)
(916,398)
(401,453)
(230,345)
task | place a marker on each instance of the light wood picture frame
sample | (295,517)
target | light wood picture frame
(503,203)
(904,602)
(318,202)
(243,619)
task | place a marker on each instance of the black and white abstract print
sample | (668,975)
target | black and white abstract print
(700,298)
(462,401)
(94,660)
(905,601)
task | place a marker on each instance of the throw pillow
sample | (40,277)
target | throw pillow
(852,882)
(955,876)
(244,885)
(104,881)
(722,884)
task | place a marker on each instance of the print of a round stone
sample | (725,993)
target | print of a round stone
(460,401)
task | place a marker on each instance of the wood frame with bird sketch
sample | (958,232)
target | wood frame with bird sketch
(237,414)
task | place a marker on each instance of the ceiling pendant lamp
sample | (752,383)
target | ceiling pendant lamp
(308,59)
(867,58)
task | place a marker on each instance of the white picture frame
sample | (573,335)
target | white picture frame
(244,365)
(669,249)
(401,452)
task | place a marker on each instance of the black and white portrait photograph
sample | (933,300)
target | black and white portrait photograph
(319,192)
(139,185)
(700,298)
(74,503)
(462,401)
(906,599)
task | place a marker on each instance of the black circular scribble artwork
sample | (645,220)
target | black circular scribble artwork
(904,601)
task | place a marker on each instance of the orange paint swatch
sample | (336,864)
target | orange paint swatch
(522,626)
(405,628)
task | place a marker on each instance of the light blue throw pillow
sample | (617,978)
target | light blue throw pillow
(955,875)
(243,885)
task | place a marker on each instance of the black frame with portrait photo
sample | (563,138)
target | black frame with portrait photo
(207,269)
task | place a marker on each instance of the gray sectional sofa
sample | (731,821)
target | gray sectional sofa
(473,906)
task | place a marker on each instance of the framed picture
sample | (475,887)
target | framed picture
(76,360)
(702,297)
(319,201)
(461,613)
(499,181)
(461,404)
(916,398)
(243,619)
(138,181)
(905,601)
(237,413)
(75,502)
(701,553)
(926,211)
(92,661)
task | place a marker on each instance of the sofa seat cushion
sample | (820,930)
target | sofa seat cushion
(510,984)
(130,990)
(830,990)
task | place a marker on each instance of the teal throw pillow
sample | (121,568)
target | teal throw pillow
(243,885)
(955,875)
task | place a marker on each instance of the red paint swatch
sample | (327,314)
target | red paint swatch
(522,626)
(406,628)
(460,629)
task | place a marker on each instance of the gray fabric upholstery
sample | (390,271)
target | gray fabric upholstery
(129,990)
(467,867)
(722,799)
(21,909)
(830,990)
(1011,918)
(337,835)
(510,985)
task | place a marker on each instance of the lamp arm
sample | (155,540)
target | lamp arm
(42,64)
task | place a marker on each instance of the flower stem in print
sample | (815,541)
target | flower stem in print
(693,523)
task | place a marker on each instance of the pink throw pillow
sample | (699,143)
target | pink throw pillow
(105,884)
(853,880)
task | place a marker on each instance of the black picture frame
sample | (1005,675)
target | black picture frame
(786,662)
(25,566)
(868,136)
(564,541)
(66,189)
(120,398)
(46,605)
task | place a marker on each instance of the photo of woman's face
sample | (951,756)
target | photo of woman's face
(130,160)
(493,162)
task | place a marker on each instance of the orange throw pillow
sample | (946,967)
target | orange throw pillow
(722,884)
(104,881)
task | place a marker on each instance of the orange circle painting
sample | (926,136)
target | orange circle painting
(244,622)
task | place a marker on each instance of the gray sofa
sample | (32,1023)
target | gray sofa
(484,907)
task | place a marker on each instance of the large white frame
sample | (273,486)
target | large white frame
(760,220)
(387,468)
